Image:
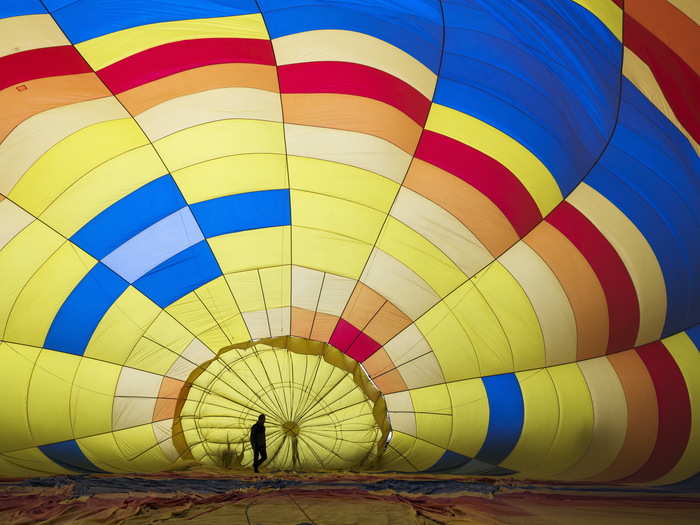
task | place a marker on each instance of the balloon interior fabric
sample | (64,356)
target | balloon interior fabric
(448,236)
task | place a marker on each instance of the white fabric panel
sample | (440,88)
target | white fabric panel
(197,352)
(13,220)
(280,321)
(130,412)
(163,430)
(134,382)
(548,299)
(442,229)
(21,33)
(154,245)
(34,136)
(348,147)
(403,422)
(399,284)
(257,323)
(335,294)
(399,402)
(207,106)
(406,345)
(306,287)
(181,369)
(423,371)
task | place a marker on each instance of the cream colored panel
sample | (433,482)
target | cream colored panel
(407,345)
(442,229)
(399,284)
(257,323)
(34,136)
(636,255)
(306,287)
(138,383)
(335,294)
(403,422)
(163,430)
(208,106)
(13,220)
(130,412)
(348,147)
(423,371)
(280,321)
(21,33)
(348,46)
(548,299)
(197,352)
(181,368)
(399,402)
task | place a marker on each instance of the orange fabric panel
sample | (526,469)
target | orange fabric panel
(580,284)
(323,327)
(35,96)
(164,409)
(466,203)
(670,25)
(352,113)
(390,382)
(170,388)
(642,416)
(363,304)
(388,322)
(378,363)
(141,98)
(302,321)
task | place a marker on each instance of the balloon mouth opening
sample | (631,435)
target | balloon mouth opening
(322,410)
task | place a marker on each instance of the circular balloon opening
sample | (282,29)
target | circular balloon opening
(322,411)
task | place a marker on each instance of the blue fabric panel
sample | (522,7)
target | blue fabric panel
(448,461)
(129,216)
(244,211)
(544,72)
(82,311)
(415,26)
(68,455)
(10,8)
(651,173)
(179,275)
(506,415)
(694,334)
(85,19)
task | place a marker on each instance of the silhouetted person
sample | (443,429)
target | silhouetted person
(257,440)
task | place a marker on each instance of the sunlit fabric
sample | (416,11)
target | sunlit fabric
(453,236)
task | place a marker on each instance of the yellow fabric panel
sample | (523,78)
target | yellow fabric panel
(104,185)
(43,295)
(21,33)
(140,447)
(397,451)
(35,459)
(122,326)
(687,357)
(329,252)
(10,469)
(220,139)
(421,256)
(151,357)
(433,408)
(246,250)
(103,451)
(540,423)
(515,313)
(247,289)
(607,12)
(434,428)
(575,428)
(193,314)
(32,247)
(219,301)
(490,344)
(15,372)
(424,455)
(470,414)
(432,399)
(312,210)
(342,181)
(529,169)
(48,399)
(92,396)
(168,332)
(72,158)
(110,48)
(452,347)
(350,46)
(231,175)
(276,284)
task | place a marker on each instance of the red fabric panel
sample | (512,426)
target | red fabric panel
(343,335)
(162,61)
(674,413)
(354,79)
(487,175)
(363,347)
(678,81)
(41,63)
(623,306)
